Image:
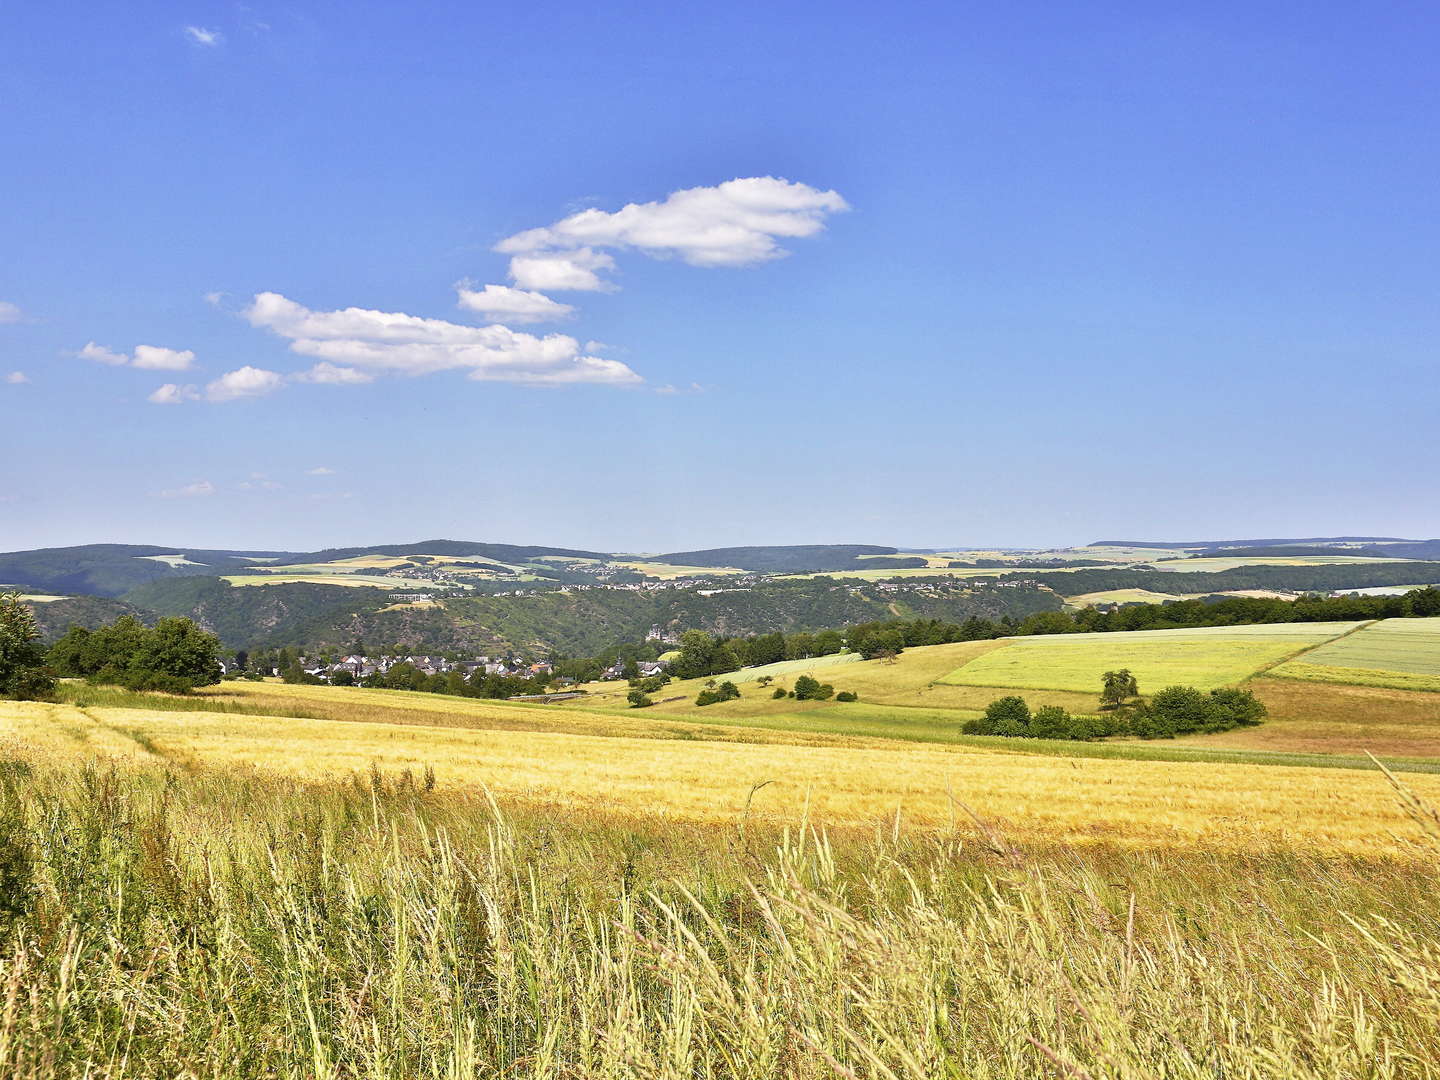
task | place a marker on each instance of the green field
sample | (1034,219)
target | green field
(790,667)
(1400,653)
(374,581)
(1218,563)
(1204,658)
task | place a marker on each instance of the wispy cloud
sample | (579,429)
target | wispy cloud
(333,375)
(202,36)
(17,378)
(259,482)
(10,313)
(199,489)
(320,470)
(737,223)
(173,394)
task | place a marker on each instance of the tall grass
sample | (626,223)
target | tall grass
(202,924)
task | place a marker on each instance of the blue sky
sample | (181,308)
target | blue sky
(1035,274)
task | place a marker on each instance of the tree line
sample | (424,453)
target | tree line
(1175,710)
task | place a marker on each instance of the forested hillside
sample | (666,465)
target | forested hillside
(1328,578)
(794,558)
(574,622)
(113,569)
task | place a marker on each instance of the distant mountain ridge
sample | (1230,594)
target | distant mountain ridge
(113,569)
(791,558)
(451,548)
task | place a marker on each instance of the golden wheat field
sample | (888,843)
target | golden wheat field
(617,766)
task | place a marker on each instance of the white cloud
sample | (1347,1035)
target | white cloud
(320,470)
(201,36)
(501,302)
(155,358)
(386,342)
(570,271)
(17,378)
(214,299)
(10,313)
(737,223)
(244,382)
(330,375)
(103,355)
(259,482)
(148,357)
(173,394)
(199,489)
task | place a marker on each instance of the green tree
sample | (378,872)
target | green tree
(1118,687)
(1051,722)
(638,699)
(807,687)
(1008,716)
(23,673)
(177,649)
(1238,708)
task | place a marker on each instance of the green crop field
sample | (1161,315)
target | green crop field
(1400,653)
(1205,658)
(790,667)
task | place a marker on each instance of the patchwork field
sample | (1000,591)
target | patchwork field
(1204,658)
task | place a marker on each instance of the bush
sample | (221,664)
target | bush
(726,691)
(639,699)
(1051,722)
(812,689)
(780,692)
(1008,716)
(847,695)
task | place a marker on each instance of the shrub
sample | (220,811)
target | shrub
(779,692)
(808,688)
(1051,722)
(1008,716)
(639,699)
(847,695)
(726,691)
